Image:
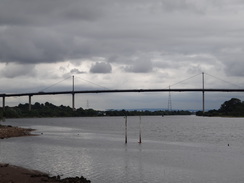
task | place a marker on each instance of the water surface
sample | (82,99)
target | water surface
(173,149)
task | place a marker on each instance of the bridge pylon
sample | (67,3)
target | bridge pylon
(30,102)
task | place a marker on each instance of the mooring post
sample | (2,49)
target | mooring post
(139,130)
(125,129)
(203,97)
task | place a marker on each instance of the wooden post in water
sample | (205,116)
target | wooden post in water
(139,130)
(125,129)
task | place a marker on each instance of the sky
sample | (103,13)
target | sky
(122,44)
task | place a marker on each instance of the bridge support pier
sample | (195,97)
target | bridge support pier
(73,93)
(30,102)
(73,101)
(3,103)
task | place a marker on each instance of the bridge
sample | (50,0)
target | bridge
(73,92)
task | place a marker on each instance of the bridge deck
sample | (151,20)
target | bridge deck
(119,91)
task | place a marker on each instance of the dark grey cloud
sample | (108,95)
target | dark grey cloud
(32,46)
(101,67)
(44,31)
(48,13)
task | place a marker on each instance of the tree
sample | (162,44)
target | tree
(230,106)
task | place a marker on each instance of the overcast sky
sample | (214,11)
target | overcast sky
(121,44)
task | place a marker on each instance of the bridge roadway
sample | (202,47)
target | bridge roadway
(121,91)
(203,90)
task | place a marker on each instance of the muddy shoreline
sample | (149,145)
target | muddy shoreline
(15,174)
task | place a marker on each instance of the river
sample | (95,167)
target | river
(173,149)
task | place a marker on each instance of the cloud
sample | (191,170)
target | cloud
(76,71)
(183,5)
(45,13)
(46,31)
(154,40)
(139,66)
(56,31)
(17,70)
(101,67)
(235,68)
(232,58)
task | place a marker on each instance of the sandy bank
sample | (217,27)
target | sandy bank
(10,131)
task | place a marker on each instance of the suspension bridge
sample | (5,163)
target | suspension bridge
(73,92)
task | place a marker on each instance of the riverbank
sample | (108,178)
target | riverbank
(15,174)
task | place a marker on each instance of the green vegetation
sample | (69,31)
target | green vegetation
(145,113)
(233,107)
(50,110)
(46,110)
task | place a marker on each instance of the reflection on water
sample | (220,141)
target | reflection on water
(173,149)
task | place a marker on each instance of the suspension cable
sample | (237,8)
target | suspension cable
(55,83)
(93,83)
(185,80)
(223,80)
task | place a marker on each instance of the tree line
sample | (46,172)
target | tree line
(50,110)
(233,107)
